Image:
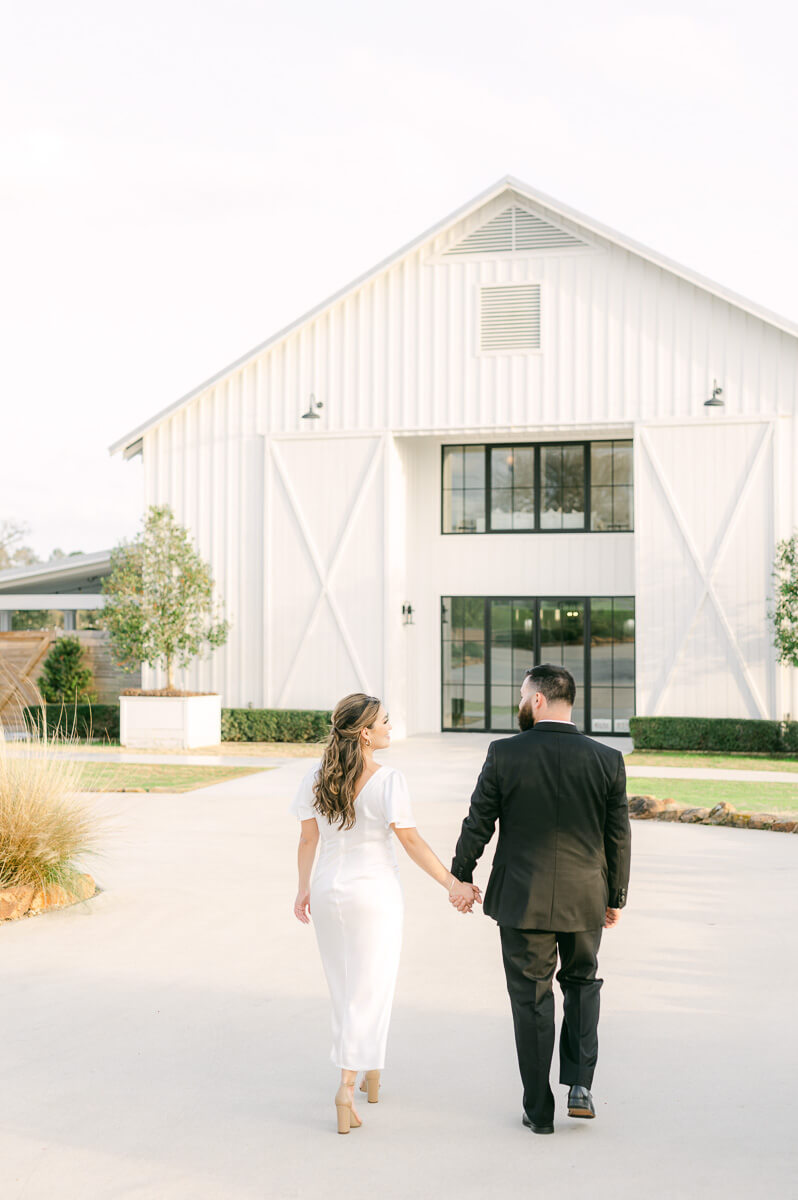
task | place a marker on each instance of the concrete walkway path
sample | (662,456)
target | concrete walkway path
(169,1039)
(427,747)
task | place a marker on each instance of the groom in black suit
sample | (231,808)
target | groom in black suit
(559,876)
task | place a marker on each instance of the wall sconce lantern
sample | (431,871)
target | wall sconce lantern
(714,400)
(407,614)
(311,415)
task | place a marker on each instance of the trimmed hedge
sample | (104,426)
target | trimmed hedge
(77,720)
(238,724)
(274,725)
(715,733)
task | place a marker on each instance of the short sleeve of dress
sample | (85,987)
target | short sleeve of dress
(396,801)
(302,804)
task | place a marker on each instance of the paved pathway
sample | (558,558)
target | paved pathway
(471,748)
(168,1040)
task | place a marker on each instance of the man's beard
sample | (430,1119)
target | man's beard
(526,717)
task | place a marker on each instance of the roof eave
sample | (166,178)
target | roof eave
(127,443)
(136,434)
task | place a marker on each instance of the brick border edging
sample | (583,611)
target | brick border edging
(651,808)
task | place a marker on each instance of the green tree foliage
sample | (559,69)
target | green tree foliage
(12,552)
(785,613)
(65,678)
(159,604)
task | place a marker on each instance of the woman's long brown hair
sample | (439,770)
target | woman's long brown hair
(342,763)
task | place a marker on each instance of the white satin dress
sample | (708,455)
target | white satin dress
(356,907)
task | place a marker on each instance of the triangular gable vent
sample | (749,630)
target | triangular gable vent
(516,229)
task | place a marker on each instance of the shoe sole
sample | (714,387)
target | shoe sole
(581,1112)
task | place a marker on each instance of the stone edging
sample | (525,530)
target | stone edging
(28,901)
(651,808)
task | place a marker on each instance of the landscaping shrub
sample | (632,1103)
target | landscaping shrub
(790,737)
(65,677)
(274,725)
(44,829)
(80,721)
(101,721)
(725,734)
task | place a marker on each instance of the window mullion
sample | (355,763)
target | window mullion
(537,488)
(488,491)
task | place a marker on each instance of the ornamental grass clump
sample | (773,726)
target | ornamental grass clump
(45,830)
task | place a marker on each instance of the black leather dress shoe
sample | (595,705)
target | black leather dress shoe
(537,1128)
(580,1102)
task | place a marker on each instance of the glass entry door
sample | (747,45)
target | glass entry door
(489,642)
(562,642)
(511,644)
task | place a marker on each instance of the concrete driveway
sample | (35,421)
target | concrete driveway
(169,1039)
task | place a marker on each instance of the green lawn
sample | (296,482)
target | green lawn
(705,793)
(141,777)
(693,758)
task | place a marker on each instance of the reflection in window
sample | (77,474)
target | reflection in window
(489,644)
(512,487)
(611,485)
(562,481)
(464,489)
(523,488)
(612,663)
(463,647)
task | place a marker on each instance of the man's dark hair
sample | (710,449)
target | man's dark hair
(555,683)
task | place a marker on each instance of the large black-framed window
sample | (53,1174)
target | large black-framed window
(537,487)
(488,643)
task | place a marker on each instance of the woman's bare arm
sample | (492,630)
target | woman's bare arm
(425,857)
(306,853)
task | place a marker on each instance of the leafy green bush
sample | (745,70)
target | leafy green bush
(274,725)
(81,721)
(790,737)
(65,676)
(727,734)
(238,724)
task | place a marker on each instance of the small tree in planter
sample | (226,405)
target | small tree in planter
(65,678)
(785,613)
(160,610)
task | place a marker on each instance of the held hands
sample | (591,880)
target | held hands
(302,906)
(463,895)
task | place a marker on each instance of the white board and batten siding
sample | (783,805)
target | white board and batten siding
(318,531)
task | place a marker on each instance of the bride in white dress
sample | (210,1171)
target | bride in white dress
(352,806)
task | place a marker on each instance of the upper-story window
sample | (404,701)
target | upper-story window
(544,488)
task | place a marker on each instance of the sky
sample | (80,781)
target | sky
(180,179)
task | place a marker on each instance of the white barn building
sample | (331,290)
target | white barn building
(509,437)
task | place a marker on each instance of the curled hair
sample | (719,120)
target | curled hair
(342,763)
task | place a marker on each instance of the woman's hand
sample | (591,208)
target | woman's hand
(302,906)
(463,895)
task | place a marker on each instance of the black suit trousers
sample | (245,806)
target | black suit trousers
(530,959)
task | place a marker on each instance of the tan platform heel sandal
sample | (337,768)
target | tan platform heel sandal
(371,1085)
(347,1117)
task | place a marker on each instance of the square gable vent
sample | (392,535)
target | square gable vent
(509,318)
(513,230)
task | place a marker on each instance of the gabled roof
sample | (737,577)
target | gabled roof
(508,183)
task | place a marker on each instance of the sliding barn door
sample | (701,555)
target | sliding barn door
(704,543)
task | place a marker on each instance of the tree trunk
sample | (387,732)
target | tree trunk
(170,675)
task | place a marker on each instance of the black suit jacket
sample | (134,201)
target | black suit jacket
(564,837)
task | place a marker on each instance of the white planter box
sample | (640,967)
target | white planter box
(174,722)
